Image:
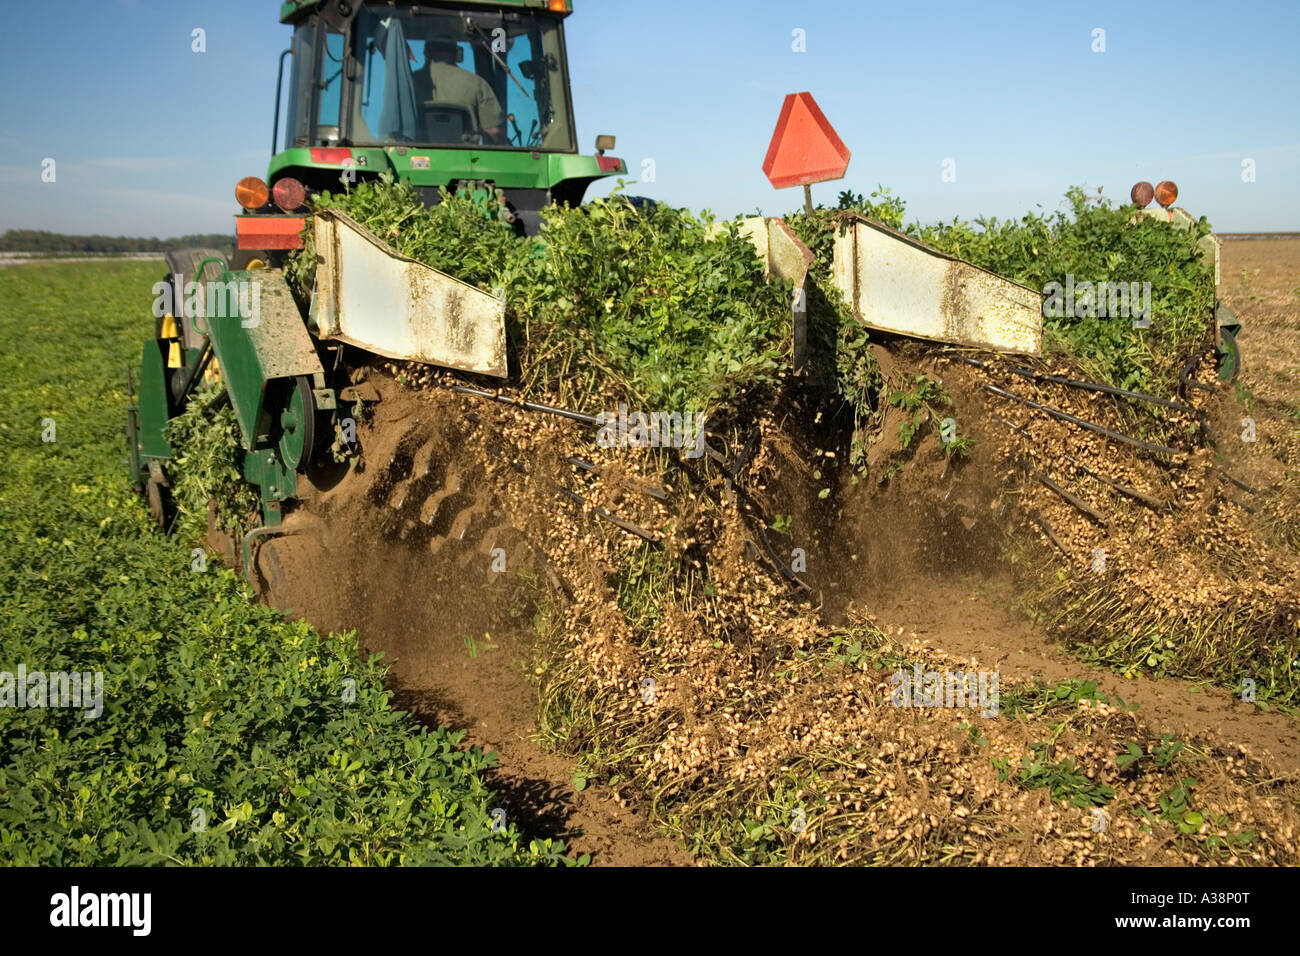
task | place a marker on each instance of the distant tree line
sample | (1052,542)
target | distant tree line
(38,240)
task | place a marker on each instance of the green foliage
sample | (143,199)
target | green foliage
(918,402)
(1038,697)
(456,236)
(209,457)
(644,585)
(1064,778)
(661,308)
(1201,831)
(1163,754)
(858,381)
(1097,242)
(959,447)
(211,702)
(847,647)
(679,315)
(889,210)
(57,243)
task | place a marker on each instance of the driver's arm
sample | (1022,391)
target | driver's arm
(490,116)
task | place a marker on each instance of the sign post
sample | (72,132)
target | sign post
(805,149)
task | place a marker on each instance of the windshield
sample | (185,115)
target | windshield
(451,79)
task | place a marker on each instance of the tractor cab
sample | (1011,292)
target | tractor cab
(469,95)
(458,76)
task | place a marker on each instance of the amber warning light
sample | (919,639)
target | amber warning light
(251,193)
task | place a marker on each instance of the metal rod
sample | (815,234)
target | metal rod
(596,510)
(500,62)
(657,493)
(1225,477)
(715,455)
(217,401)
(572,496)
(279,83)
(1091,426)
(1042,523)
(748,449)
(1077,502)
(195,375)
(527,406)
(1185,376)
(552,410)
(1078,383)
(1106,389)
(600,512)
(1153,503)
(777,562)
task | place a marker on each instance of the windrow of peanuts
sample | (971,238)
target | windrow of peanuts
(1203,587)
(694,683)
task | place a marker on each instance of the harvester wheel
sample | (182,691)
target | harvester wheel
(298,425)
(182,266)
(1229,356)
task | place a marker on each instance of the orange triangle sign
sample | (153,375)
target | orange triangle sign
(805,149)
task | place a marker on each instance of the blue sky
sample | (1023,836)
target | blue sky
(149,137)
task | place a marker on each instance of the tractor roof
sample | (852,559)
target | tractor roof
(291,11)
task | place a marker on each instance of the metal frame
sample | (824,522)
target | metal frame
(279,86)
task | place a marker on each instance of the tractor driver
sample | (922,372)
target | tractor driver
(444,83)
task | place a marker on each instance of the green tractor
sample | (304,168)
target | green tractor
(470,96)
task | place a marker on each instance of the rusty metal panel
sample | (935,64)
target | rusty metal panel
(896,284)
(370,296)
(785,256)
(277,335)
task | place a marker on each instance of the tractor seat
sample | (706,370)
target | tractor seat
(448,124)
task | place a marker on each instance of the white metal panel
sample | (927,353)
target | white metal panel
(369,296)
(897,284)
(785,256)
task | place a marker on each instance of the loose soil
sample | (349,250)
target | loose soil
(403,549)
(455,631)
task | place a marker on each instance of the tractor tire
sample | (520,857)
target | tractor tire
(642,204)
(1229,356)
(182,266)
(432,499)
(258,259)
